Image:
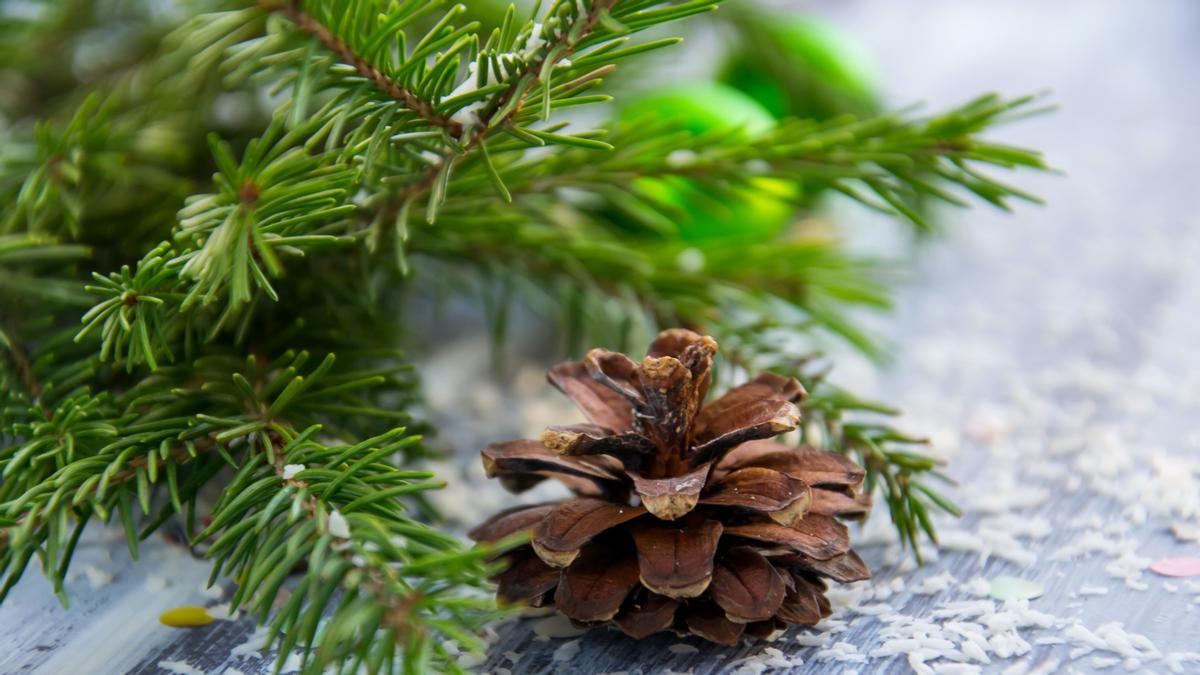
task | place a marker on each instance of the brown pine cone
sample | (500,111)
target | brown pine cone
(686,516)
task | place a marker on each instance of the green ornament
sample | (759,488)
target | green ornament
(799,66)
(757,210)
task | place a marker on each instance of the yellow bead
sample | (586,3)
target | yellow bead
(186,617)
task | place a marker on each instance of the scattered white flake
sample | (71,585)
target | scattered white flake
(757,166)
(1175,660)
(690,260)
(987,424)
(1093,590)
(842,652)
(1186,532)
(338,526)
(220,611)
(681,648)
(812,639)
(1015,588)
(214,592)
(290,470)
(97,578)
(157,584)
(566,651)
(471,660)
(770,658)
(557,626)
(974,651)
(934,584)
(253,645)
(979,587)
(535,41)
(680,158)
(180,667)
(1102,662)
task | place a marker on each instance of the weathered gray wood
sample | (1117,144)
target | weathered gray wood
(1108,274)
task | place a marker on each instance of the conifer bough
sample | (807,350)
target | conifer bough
(161,331)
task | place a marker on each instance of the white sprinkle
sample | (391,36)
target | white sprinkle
(557,626)
(682,648)
(221,611)
(567,651)
(338,526)
(253,645)
(290,470)
(535,40)
(1186,531)
(811,640)
(97,578)
(680,158)
(974,651)
(471,660)
(1093,590)
(180,667)
(935,584)
(978,587)
(156,584)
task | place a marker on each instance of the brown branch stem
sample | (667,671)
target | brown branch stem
(486,125)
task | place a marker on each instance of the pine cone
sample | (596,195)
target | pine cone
(686,516)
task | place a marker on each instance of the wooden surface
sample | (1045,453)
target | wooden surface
(1054,354)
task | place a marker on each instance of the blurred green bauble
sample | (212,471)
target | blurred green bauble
(757,210)
(796,65)
(701,106)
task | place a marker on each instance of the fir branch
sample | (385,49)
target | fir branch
(378,589)
(99,455)
(108,162)
(896,157)
(306,22)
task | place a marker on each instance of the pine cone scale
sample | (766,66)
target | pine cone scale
(601,405)
(527,579)
(595,587)
(646,613)
(676,561)
(687,516)
(807,536)
(672,497)
(710,622)
(746,586)
(510,522)
(783,498)
(756,420)
(815,467)
(558,538)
